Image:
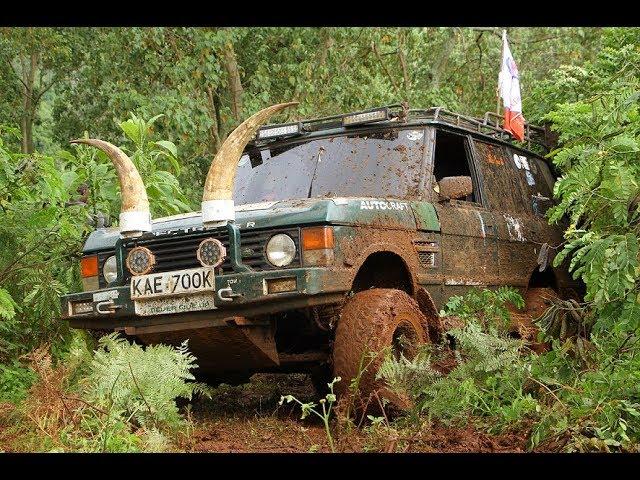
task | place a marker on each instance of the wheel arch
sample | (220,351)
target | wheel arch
(384,267)
(546,278)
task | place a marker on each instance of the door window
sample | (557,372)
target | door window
(536,181)
(452,159)
(500,178)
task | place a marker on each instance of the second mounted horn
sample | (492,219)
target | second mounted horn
(217,199)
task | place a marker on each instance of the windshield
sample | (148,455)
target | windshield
(373,164)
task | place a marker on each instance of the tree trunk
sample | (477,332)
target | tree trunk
(28,105)
(222,134)
(235,85)
(326,45)
(376,51)
(214,129)
(440,64)
(403,62)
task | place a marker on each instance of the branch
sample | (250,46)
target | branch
(39,96)
(403,62)
(7,270)
(439,66)
(139,390)
(374,47)
(493,30)
(16,74)
(28,91)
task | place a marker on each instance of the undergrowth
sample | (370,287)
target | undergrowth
(120,398)
(582,394)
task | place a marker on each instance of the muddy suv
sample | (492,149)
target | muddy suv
(321,240)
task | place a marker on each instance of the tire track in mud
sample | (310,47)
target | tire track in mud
(248,418)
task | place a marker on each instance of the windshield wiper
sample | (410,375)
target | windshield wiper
(315,169)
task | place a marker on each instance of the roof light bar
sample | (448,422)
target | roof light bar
(279,131)
(366,117)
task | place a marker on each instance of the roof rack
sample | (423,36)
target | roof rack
(488,125)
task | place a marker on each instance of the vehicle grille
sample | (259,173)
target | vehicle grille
(178,251)
(427,259)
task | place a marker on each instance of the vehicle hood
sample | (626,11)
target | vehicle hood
(379,212)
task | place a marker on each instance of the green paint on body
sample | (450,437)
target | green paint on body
(375,212)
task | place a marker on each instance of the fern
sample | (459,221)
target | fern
(142,384)
(485,306)
(489,378)
(8,306)
(486,353)
(409,375)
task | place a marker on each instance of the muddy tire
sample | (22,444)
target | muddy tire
(523,325)
(372,322)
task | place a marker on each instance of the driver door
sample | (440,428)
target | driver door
(468,229)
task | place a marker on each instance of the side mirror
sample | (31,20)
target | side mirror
(454,188)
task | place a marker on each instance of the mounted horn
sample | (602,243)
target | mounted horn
(135,217)
(217,199)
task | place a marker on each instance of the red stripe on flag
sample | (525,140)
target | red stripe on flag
(514,124)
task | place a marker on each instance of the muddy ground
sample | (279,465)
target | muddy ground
(247,418)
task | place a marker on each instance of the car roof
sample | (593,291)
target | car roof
(486,128)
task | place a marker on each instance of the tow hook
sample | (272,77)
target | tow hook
(227,295)
(109,307)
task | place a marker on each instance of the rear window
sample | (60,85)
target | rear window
(374,164)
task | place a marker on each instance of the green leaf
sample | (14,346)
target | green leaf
(131,130)
(8,306)
(169,146)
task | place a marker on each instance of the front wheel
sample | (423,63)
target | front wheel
(371,323)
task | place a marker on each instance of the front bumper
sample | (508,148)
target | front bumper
(113,308)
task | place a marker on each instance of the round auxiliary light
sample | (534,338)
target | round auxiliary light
(281,250)
(140,260)
(211,252)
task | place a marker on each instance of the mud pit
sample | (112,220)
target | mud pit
(247,418)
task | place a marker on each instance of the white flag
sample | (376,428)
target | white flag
(509,86)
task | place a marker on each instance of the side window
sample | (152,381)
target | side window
(536,181)
(500,178)
(452,159)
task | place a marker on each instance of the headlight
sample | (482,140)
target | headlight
(110,269)
(281,250)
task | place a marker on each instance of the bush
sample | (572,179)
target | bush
(582,395)
(15,381)
(48,205)
(488,384)
(141,384)
(489,379)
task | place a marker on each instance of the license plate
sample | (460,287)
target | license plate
(169,305)
(172,284)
